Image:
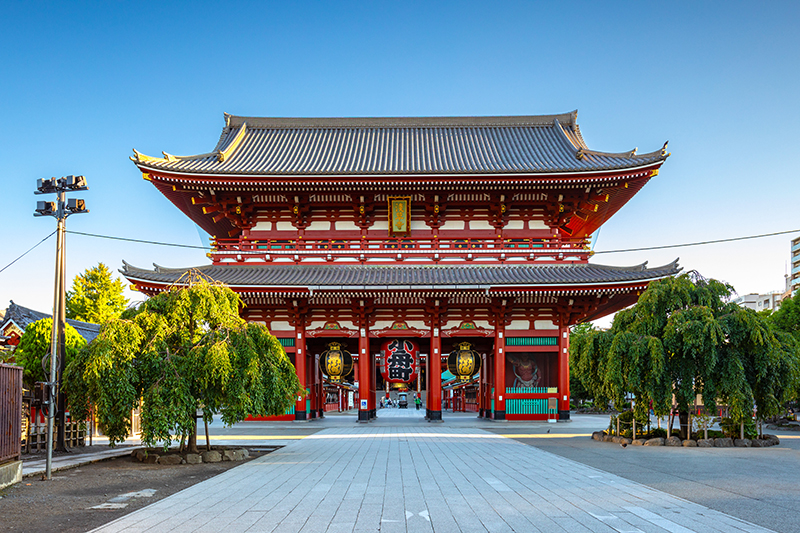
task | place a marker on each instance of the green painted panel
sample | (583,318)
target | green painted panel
(531,341)
(287,343)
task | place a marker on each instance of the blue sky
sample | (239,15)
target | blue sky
(84,83)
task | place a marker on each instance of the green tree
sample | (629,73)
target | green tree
(787,317)
(186,349)
(685,337)
(96,297)
(35,344)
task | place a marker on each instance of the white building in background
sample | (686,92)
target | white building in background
(759,302)
(794,277)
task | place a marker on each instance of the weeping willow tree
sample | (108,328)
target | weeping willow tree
(683,338)
(185,350)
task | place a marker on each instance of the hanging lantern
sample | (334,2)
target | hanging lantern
(464,362)
(336,362)
(400,361)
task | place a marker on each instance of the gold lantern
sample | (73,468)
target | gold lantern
(336,362)
(464,362)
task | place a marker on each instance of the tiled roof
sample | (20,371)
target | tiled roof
(400,146)
(365,277)
(23,317)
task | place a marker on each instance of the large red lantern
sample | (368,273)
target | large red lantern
(400,361)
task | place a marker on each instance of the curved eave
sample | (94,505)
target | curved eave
(233,179)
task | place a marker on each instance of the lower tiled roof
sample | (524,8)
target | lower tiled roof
(22,317)
(338,276)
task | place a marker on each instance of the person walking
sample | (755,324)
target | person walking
(417,402)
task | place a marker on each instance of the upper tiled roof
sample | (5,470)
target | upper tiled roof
(400,146)
(23,317)
(376,277)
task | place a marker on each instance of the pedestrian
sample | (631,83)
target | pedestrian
(417,402)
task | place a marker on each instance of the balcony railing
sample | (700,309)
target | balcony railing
(249,250)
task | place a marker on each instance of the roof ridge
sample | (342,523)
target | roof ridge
(232,121)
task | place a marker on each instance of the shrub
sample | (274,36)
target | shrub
(731,427)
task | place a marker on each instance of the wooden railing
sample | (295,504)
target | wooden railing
(242,249)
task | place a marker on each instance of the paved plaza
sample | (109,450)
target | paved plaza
(401,474)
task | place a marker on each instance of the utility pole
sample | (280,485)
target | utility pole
(55,401)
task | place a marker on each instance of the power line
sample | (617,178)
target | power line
(666,246)
(698,243)
(138,240)
(29,250)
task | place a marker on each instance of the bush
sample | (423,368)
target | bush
(731,427)
(658,432)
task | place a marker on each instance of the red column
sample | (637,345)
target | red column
(499,370)
(364,370)
(435,376)
(563,373)
(300,366)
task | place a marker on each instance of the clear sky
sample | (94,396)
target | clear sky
(84,83)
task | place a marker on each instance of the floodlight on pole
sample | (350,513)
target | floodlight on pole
(60,210)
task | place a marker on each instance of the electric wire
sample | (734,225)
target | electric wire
(29,250)
(663,247)
(685,245)
(157,243)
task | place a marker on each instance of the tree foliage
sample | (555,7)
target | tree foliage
(685,337)
(96,297)
(35,344)
(185,349)
(787,317)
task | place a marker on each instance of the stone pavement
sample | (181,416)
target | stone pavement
(420,478)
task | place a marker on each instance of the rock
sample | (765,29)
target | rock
(140,454)
(193,459)
(672,441)
(133,454)
(245,453)
(658,441)
(757,443)
(638,442)
(773,440)
(598,435)
(742,443)
(211,457)
(608,438)
(625,440)
(705,443)
(616,440)
(232,455)
(723,442)
(689,443)
(170,459)
(151,459)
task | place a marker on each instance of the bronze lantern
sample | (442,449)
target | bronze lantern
(464,362)
(336,362)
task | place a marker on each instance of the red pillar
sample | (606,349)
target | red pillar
(364,370)
(300,366)
(499,370)
(563,373)
(435,375)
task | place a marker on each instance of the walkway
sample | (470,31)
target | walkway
(419,478)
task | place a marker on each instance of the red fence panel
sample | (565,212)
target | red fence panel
(10,412)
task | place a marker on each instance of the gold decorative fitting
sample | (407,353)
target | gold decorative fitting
(239,210)
(361,209)
(146,176)
(502,208)
(295,210)
(134,287)
(561,207)
(654,172)
(626,185)
(436,208)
